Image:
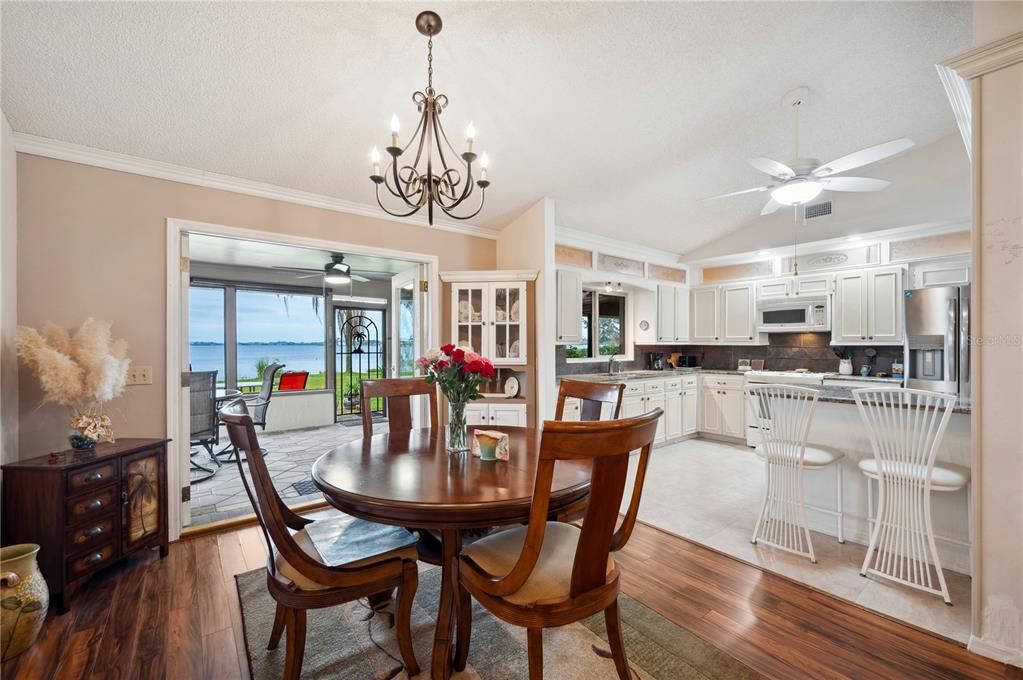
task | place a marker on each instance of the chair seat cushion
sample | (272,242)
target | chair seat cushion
(813,457)
(346,541)
(552,576)
(944,476)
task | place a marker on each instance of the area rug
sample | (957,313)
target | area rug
(353,641)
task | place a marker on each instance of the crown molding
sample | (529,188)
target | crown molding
(988,58)
(85,155)
(957,89)
(492,275)
(609,246)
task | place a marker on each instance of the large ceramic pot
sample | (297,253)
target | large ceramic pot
(24,597)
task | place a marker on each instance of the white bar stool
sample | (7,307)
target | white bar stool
(784,414)
(906,428)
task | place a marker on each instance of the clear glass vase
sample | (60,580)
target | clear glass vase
(456,427)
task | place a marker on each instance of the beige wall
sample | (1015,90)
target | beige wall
(92,242)
(8,296)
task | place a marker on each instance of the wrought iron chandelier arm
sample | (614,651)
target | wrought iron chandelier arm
(415,207)
(467,185)
(483,198)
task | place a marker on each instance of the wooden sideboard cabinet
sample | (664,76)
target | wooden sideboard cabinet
(87,509)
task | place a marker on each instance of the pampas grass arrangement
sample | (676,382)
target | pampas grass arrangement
(82,371)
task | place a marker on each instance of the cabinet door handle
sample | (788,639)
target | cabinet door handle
(871,337)
(94,531)
(94,504)
(94,476)
(715,337)
(93,559)
(124,497)
(863,337)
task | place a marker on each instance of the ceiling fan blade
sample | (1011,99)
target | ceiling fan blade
(773,168)
(770,207)
(739,193)
(310,276)
(857,159)
(360,279)
(854,184)
(296,269)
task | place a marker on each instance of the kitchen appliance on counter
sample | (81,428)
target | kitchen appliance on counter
(655,361)
(795,315)
(684,360)
(801,378)
(938,340)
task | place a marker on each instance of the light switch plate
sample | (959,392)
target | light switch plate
(140,375)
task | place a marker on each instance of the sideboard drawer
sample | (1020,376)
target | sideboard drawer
(92,560)
(91,534)
(92,505)
(90,478)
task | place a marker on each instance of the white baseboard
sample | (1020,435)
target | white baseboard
(995,651)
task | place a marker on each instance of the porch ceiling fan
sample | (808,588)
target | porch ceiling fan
(803,179)
(336,272)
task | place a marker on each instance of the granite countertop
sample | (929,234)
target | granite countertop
(835,394)
(860,378)
(644,374)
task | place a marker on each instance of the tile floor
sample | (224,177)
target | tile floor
(710,492)
(290,457)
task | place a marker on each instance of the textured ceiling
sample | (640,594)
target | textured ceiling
(626,114)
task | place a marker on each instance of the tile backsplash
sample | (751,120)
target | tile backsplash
(785,351)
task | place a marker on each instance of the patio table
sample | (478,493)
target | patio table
(408,479)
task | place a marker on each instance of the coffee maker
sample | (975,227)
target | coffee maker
(655,361)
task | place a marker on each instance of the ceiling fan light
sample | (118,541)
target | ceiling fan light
(336,279)
(797,192)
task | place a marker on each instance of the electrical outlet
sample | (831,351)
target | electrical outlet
(140,375)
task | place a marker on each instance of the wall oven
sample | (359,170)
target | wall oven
(803,315)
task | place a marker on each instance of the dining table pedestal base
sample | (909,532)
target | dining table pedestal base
(448,610)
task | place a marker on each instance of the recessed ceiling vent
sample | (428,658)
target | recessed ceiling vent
(816,210)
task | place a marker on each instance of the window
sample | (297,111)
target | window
(603,322)
(206,331)
(287,328)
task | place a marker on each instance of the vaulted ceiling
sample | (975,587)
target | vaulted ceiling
(628,115)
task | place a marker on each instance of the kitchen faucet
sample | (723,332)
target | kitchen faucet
(611,363)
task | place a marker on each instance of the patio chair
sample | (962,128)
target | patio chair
(293,380)
(259,404)
(203,428)
(364,559)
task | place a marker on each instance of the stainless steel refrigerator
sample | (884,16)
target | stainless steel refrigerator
(938,340)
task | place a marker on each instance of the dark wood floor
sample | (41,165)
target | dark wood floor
(179,618)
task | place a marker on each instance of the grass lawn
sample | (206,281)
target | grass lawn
(349,386)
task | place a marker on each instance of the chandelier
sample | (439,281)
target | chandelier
(434,176)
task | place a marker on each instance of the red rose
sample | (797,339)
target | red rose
(476,366)
(447,349)
(457,355)
(488,370)
(440,365)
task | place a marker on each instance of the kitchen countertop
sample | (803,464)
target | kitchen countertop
(830,394)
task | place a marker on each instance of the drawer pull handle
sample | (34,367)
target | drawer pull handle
(93,559)
(94,476)
(93,532)
(94,504)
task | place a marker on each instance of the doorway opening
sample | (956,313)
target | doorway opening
(360,354)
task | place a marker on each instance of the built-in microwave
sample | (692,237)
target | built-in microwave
(802,315)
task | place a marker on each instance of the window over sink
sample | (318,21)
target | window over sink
(603,323)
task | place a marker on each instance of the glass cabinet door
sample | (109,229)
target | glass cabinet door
(469,316)
(509,323)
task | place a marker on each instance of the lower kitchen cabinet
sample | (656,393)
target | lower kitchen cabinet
(674,415)
(508,415)
(722,406)
(690,410)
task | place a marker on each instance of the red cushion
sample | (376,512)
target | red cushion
(293,380)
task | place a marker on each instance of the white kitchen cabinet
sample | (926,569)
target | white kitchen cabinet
(657,401)
(507,415)
(690,410)
(672,313)
(570,304)
(868,307)
(791,286)
(737,315)
(705,315)
(733,413)
(573,409)
(722,406)
(710,410)
(490,318)
(774,289)
(674,418)
(633,406)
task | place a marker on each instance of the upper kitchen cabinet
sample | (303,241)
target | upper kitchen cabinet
(793,286)
(672,314)
(706,316)
(570,301)
(724,315)
(868,307)
(491,317)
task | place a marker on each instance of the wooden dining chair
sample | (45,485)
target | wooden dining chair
(592,397)
(548,574)
(398,392)
(325,562)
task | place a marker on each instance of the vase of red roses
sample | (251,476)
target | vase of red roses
(459,371)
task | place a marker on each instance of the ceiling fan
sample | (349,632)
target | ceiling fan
(803,179)
(334,273)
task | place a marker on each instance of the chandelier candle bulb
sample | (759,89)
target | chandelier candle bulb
(395,127)
(484,162)
(374,156)
(470,135)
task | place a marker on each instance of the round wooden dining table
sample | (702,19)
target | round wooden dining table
(408,479)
